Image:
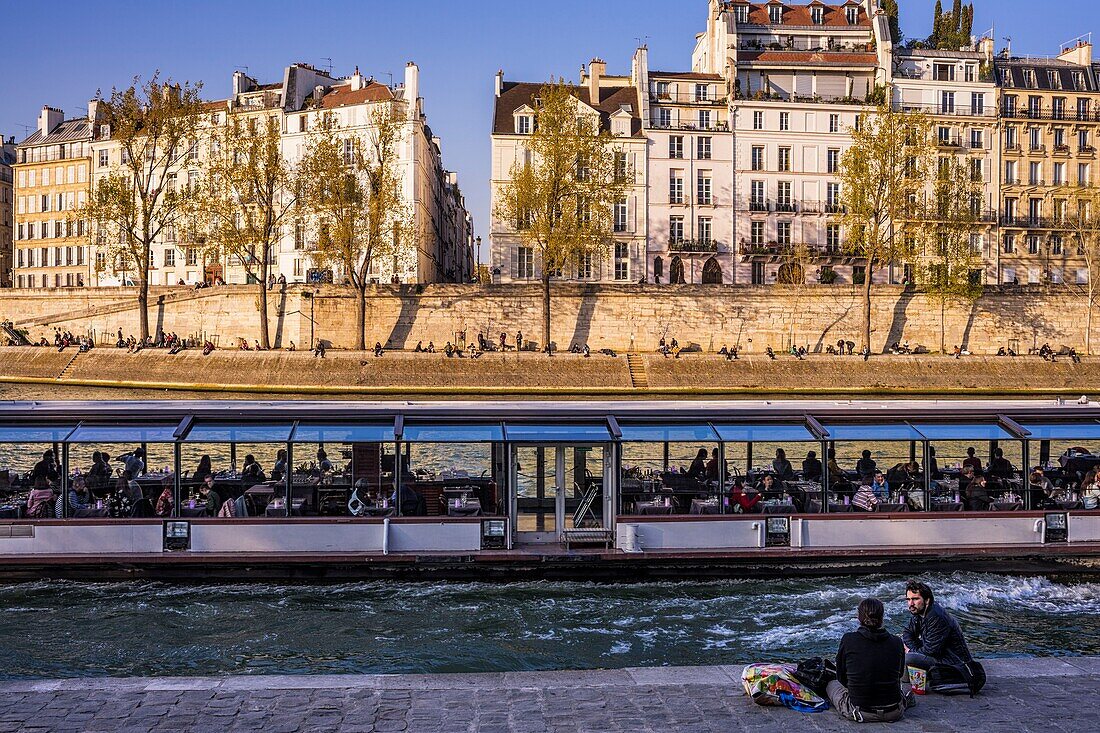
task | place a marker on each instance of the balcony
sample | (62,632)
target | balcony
(786,207)
(688,98)
(1061,150)
(956,110)
(1040,113)
(700,246)
(760,206)
(950,141)
(779,252)
(1033,222)
(691,126)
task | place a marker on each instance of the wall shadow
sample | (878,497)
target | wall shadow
(899,319)
(582,329)
(406,318)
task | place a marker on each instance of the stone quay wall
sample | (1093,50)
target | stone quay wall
(624,318)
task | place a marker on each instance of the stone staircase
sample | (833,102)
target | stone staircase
(69,365)
(638,377)
(183,296)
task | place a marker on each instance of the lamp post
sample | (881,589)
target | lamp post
(477,262)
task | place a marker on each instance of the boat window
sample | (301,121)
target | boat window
(764,433)
(963,431)
(343,433)
(124,434)
(1064,431)
(557,433)
(215,433)
(872,431)
(34,433)
(453,433)
(668,433)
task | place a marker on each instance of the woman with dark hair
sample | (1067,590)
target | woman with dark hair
(252,473)
(870,666)
(203,470)
(698,469)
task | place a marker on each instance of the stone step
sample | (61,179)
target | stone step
(638,377)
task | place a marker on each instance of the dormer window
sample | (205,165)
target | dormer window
(817,14)
(1029,79)
(1006,78)
(1053,80)
(852,13)
(524,123)
(741,13)
(775,14)
(1078,80)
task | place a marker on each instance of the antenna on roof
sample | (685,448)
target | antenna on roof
(243,68)
(328,69)
(1008,46)
(643,42)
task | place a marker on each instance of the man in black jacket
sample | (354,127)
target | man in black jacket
(870,666)
(933,636)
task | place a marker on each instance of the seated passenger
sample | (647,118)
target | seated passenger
(698,470)
(210,495)
(972,461)
(866,467)
(252,473)
(870,666)
(811,467)
(713,467)
(278,471)
(323,463)
(784,471)
(1042,491)
(1000,467)
(933,636)
(743,500)
(40,502)
(203,470)
(978,498)
(880,487)
(411,504)
(838,479)
(166,501)
(78,496)
(46,468)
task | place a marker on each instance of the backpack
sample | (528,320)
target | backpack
(963,679)
(816,673)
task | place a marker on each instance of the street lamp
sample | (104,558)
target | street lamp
(477,262)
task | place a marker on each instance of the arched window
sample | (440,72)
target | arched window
(676,271)
(658,269)
(712,272)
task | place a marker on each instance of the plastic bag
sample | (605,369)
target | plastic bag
(776,684)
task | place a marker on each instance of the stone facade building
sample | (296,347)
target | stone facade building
(52,174)
(7,210)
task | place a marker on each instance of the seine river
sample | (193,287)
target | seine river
(65,629)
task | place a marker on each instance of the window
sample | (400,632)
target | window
(703,148)
(775,14)
(784,121)
(676,146)
(676,229)
(783,234)
(525,262)
(741,13)
(834,123)
(758,120)
(584,266)
(1058,108)
(832,197)
(664,118)
(947,103)
(622,261)
(758,273)
(858,123)
(663,90)
(1083,177)
(977,139)
(1011,141)
(299,235)
(702,92)
(1029,79)
(757,202)
(1035,174)
(783,199)
(1083,109)
(943,72)
(349,151)
(852,13)
(1083,141)
(817,15)
(676,188)
(192,257)
(1009,244)
(977,170)
(757,234)
(977,103)
(169,257)
(785,159)
(1036,138)
(705,119)
(705,189)
(1034,107)
(1034,210)
(1059,178)
(523,125)
(1054,81)
(832,237)
(1033,244)
(758,157)
(704,230)
(832,160)
(620,215)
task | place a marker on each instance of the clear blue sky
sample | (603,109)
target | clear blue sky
(60,53)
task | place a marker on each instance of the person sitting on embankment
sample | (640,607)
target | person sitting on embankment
(870,666)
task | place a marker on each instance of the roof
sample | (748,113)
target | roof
(343,95)
(814,58)
(936,53)
(686,75)
(1063,70)
(67,131)
(516,94)
(834,16)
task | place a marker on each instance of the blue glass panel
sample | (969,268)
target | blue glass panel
(215,433)
(349,433)
(1065,431)
(765,434)
(963,431)
(871,431)
(454,433)
(34,433)
(124,434)
(669,434)
(560,433)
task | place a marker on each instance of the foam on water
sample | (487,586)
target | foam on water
(159,629)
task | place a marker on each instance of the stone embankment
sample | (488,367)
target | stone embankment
(406,374)
(1049,695)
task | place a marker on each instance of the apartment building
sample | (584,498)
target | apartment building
(1050,110)
(52,174)
(955,89)
(7,210)
(802,75)
(689,222)
(616,102)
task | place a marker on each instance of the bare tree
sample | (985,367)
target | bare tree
(1082,221)
(154,126)
(883,171)
(352,192)
(561,196)
(249,193)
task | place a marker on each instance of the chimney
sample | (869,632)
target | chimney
(412,89)
(499,81)
(48,119)
(357,80)
(318,94)
(1080,54)
(596,70)
(988,48)
(241,83)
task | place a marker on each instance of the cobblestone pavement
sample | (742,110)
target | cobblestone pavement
(1049,695)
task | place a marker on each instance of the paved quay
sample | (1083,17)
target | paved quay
(1048,695)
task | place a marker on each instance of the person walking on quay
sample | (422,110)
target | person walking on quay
(933,636)
(870,666)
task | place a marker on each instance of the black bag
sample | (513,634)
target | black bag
(963,679)
(816,673)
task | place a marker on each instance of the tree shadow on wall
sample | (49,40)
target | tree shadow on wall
(280,318)
(406,318)
(1026,317)
(899,319)
(582,329)
(845,311)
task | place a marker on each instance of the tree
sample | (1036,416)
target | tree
(561,196)
(249,192)
(950,213)
(352,193)
(1082,221)
(153,125)
(892,14)
(951,30)
(883,171)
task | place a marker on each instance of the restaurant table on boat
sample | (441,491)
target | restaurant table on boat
(325,477)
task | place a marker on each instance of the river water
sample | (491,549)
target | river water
(65,629)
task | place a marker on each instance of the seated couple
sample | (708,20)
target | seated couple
(872,664)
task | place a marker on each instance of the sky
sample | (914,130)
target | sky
(60,53)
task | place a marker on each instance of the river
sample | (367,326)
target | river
(66,629)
